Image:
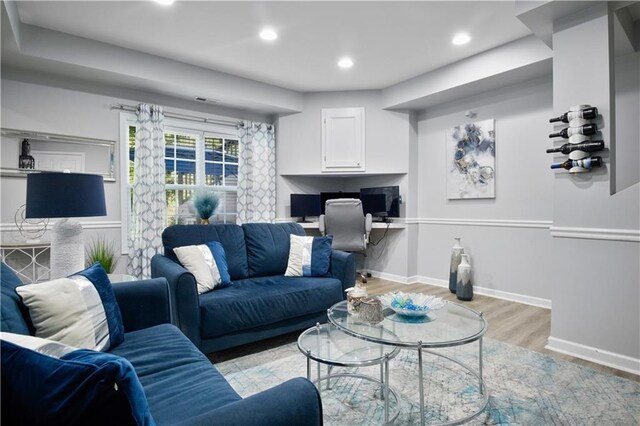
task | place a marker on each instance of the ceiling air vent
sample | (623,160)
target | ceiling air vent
(209,101)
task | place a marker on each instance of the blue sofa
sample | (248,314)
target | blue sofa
(181,385)
(261,302)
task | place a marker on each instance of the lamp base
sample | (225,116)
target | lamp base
(67,248)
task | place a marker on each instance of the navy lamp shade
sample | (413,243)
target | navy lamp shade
(65,196)
(51,195)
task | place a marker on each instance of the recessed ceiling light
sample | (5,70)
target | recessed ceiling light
(345,63)
(165,2)
(460,39)
(268,34)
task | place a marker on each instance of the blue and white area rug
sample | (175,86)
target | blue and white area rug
(526,388)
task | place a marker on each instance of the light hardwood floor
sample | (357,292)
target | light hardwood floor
(510,322)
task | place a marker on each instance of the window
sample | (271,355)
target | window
(202,157)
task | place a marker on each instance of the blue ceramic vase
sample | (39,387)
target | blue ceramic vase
(456,252)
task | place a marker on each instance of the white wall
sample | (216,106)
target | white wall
(599,272)
(299,135)
(33,107)
(627,102)
(512,257)
(388,135)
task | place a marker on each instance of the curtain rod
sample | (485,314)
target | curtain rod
(131,108)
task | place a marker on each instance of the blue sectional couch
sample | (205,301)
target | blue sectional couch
(261,302)
(181,385)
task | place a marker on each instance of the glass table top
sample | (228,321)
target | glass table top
(452,325)
(328,344)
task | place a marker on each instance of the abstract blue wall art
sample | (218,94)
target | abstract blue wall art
(471,158)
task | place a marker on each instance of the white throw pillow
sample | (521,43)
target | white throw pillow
(44,346)
(69,311)
(200,262)
(309,256)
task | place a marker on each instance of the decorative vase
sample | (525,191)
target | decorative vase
(456,251)
(354,296)
(204,221)
(464,287)
(370,310)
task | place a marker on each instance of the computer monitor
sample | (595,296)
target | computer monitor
(303,205)
(383,201)
(324,196)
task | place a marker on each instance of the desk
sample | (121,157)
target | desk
(375,225)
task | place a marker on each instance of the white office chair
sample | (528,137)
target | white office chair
(345,220)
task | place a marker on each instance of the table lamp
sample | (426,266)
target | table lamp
(65,196)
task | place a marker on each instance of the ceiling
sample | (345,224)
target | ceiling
(389,41)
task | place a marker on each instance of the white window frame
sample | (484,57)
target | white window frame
(199,130)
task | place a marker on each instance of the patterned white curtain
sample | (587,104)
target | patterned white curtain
(149,206)
(257,173)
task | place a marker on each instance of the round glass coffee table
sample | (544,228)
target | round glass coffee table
(327,344)
(453,325)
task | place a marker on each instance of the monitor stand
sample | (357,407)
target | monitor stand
(383,219)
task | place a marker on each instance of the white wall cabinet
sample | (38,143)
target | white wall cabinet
(343,140)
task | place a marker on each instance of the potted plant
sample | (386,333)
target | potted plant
(205,203)
(103,251)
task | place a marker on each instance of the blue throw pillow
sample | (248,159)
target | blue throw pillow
(221,262)
(82,387)
(208,264)
(79,311)
(309,256)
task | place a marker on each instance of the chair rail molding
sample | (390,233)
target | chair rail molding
(611,234)
(98,224)
(503,223)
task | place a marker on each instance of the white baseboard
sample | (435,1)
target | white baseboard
(498,294)
(599,356)
(393,277)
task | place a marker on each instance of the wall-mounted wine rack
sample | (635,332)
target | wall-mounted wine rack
(579,146)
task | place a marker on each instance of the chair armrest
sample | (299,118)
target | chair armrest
(368,224)
(343,267)
(321,225)
(184,295)
(295,402)
(143,304)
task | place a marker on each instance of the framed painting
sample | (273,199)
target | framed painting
(471,159)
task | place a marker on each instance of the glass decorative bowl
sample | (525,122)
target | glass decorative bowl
(412,304)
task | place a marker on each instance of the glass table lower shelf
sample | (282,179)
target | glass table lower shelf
(327,345)
(451,326)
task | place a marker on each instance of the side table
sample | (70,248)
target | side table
(30,261)
(120,278)
(326,344)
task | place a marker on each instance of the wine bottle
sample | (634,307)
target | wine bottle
(584,146)
(585,129)
(585,163)
(587,114)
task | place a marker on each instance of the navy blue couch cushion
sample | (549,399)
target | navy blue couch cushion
(268,247)
(82,387)
(178,379)
(230,236)
(256,302)
(12,311)
(98,277)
